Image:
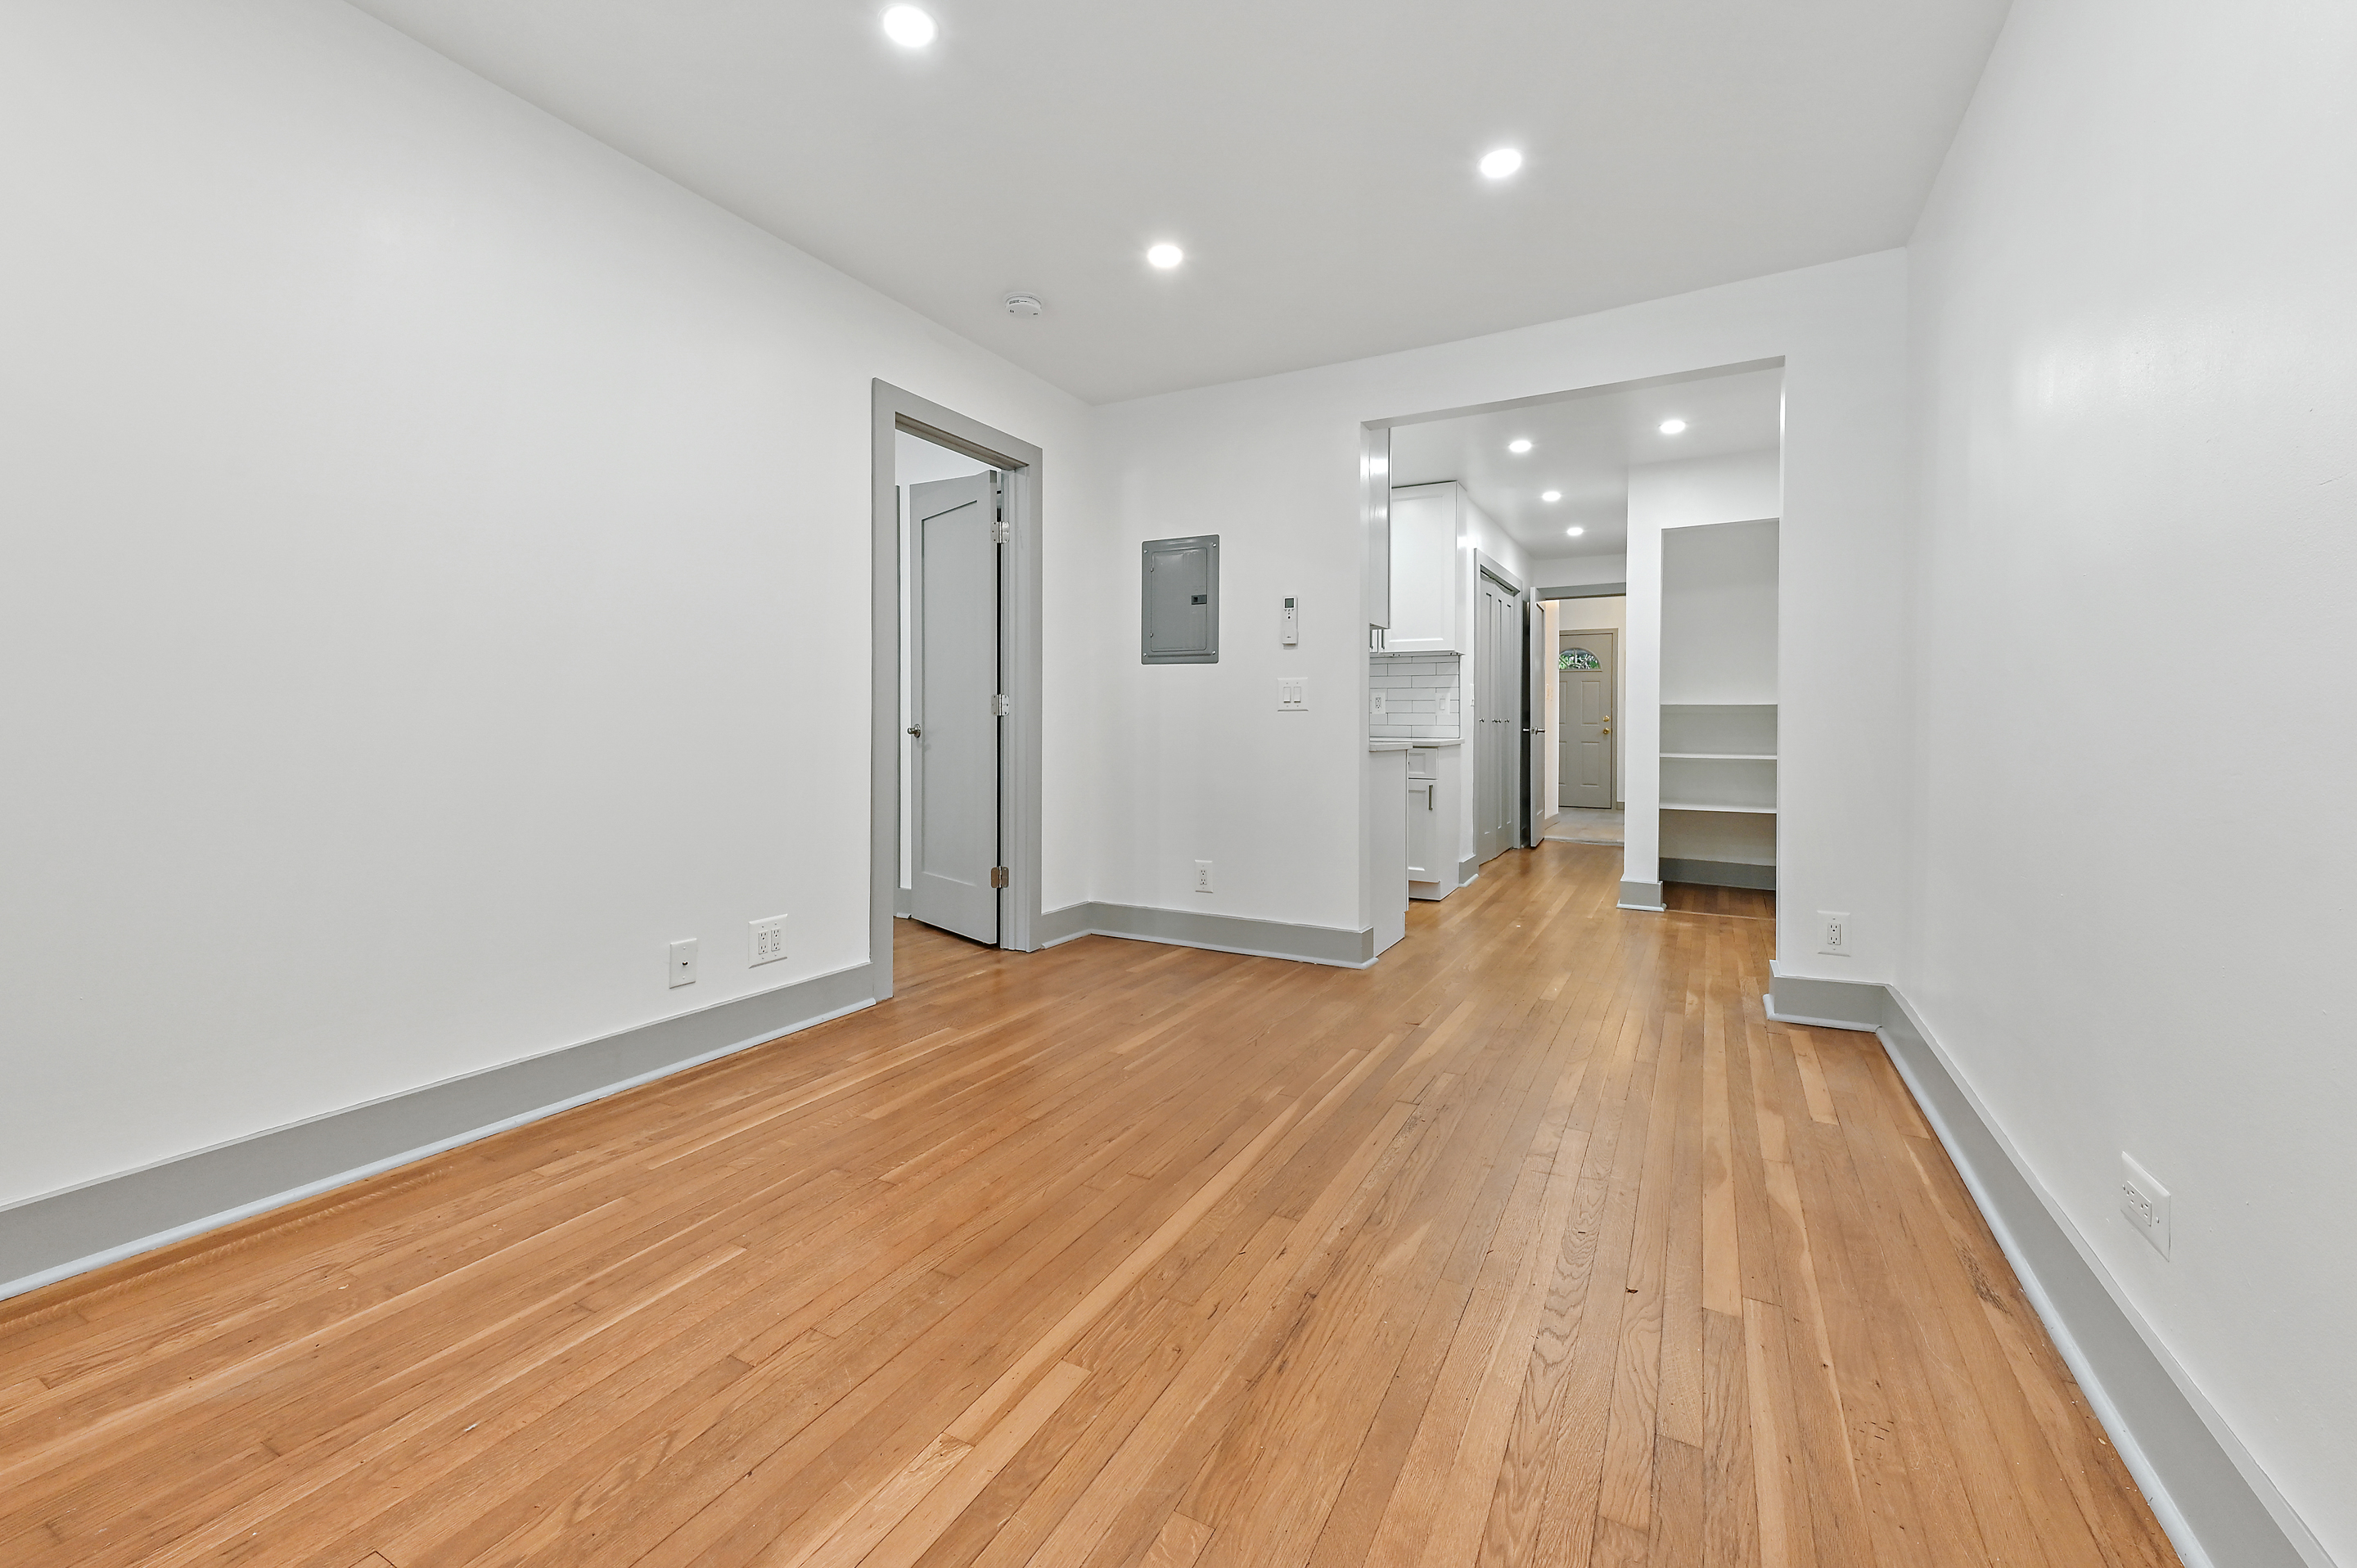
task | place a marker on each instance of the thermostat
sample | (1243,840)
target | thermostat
(1289,622)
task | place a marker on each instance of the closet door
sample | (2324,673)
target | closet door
(1497,675)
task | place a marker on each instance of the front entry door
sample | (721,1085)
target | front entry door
(953,648)
(1584,663)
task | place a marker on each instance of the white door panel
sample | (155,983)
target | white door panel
(953,599)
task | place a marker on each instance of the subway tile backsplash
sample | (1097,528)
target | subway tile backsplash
(1423,696)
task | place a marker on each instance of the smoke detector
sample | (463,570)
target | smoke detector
(1023,305)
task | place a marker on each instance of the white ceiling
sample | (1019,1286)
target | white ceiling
(1584,444)
(1314,157)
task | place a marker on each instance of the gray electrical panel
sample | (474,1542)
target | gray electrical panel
(1180,618)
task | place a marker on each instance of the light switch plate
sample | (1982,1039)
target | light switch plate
(1293,694)
(2146,1203)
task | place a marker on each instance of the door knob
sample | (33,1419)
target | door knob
(1607,730)
(917,730)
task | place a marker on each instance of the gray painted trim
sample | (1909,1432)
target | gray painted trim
(1466,870)
(1646,896)
(892,410)
(900,896)
(1717,873)
(64,1233)
(1219,933)
(1583,591)
(1825,1004)
(2221,1510)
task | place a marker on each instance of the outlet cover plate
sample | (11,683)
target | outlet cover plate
(768,936)
(1834,933)
(682,963)
(1202,876)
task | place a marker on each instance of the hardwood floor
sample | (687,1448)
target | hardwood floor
(1534,1244)
(1695,898)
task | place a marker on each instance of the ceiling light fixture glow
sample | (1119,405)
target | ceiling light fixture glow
(1672,426)
(1499,162)
(1518,447)
(1165,255)
(1573,532)
(1551,497)
(908,28)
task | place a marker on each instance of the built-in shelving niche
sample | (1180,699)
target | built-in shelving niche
(1718,786)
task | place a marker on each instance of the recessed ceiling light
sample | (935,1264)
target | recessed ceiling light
(1672,426)
(1551,497)
(908,28)
(1165,255)
(1499,162)
(1575,532)
(1518,447)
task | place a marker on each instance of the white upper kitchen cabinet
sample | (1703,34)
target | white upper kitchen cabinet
(1428,597)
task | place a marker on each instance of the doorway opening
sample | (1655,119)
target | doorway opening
(1507,651)
(954,840)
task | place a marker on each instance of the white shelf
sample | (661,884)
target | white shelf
(1690,806)
(1718,704)
(1718,757)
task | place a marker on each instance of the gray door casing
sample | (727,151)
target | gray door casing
(1022,467)
(953,651)
(1586,709)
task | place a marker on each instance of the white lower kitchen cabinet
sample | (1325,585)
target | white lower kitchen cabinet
(1435,786)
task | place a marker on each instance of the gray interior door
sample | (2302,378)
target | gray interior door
(1498,713)
(953,648)
(1584,669)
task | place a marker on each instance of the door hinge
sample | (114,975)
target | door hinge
(998,876)
(1002,531)
(1001,705)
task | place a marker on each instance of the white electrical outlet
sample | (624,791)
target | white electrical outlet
(1376,705)
(1834,933)
(682,962)
(2146,1203)
(1202,876)
(1293,694)
(769,938)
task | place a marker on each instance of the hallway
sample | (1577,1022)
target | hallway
(1534,1243)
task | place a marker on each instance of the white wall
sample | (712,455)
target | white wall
(1718,613)
(1273,464)
(2135,927)
(438,565)
(1578,571)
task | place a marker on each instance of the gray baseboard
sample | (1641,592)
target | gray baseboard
(2218,1508)
(65,1233)
(1644,896)
(1200,928)
(1825,1004)
(1717,873)
(1466,870)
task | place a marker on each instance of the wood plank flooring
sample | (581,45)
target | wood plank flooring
(1534,1244)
